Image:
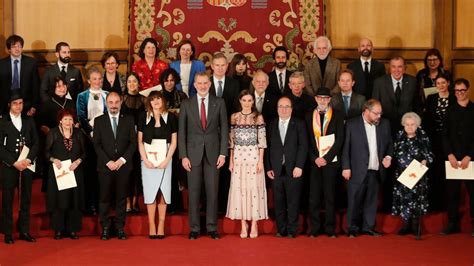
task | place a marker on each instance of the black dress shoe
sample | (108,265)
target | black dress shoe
(73,235)
(214,235)
(153,236)
(58,235)
(193,235)
(121,235)
(105,234)
(8,239)
(371,233)
(332,235)
(27,237)
(160,236)
(290,235)
(451,229)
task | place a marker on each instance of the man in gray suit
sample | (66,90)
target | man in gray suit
(323,70)
(202,143)
(347,101)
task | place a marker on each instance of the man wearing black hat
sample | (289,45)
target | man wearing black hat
(324,124)
(17,133)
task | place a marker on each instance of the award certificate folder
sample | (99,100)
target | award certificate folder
(24,153)
(65,178)
(156,151)
(464,174)
(430,90)
(325,144)
(412,174)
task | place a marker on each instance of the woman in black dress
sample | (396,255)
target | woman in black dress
(65,142)
(169,78)
(238,70)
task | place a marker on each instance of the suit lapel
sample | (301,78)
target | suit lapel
(328,72)
(391,91)
(290,126)
(194,108)
(364,134)
(318,72)
(211,109)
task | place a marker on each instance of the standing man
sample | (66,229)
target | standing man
(300,101)
(115,142)
(222,86)
(284,162)
(347,101)
(280,76)
(71,74)
(324,121)
(323,70)
(19,72)
(202,142)
(458,143)
(265,102)
(17,132)
(366,69)
(367,151)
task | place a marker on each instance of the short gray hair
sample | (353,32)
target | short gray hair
(323,38)
(411,115)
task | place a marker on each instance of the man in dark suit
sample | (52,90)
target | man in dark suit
(19,72)
(265,102)
(17,132)
(202,142)
(115,143)
(63,68)
(366,69)
(367,151)
(284,161)
(347,101)
(280,76)
(397,92)
(222,86)
(324,121)
(323,70)
(300,101)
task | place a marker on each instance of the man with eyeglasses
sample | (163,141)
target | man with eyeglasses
(366,154)
(458,143)
(285,157)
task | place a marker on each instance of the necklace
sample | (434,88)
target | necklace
(245,114)
(61,105)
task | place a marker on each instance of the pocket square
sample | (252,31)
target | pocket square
(72,79)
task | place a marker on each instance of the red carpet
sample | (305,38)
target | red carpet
(265,250)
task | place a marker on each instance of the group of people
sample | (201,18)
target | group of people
(236,135)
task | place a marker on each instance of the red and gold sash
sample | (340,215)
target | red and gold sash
(317,124)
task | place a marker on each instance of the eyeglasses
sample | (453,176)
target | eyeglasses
(432,59)
(460,91)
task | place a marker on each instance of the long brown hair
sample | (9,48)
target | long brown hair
(156,95)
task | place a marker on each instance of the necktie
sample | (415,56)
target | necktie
(366,67)
(203,114)
(346,103)
(114,125)
(280,80)
(16,77)
(282,136)
(398,92)
(63,72)
(219,89)
(260,104)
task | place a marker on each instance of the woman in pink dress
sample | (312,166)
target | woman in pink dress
(247,193)
(149,67)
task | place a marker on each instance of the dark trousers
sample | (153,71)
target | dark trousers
(91,183)
(362,198)
(208,173)
(454,198)
(113,183)
(322,184)
(66,220)
(10,177)
(286,195)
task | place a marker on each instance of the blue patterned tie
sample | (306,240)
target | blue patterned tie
(16,78)
(346,103)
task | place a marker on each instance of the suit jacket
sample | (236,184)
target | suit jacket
(314,80)
(294,148)
(355,153)
(355,105)
(111,148)
(74,81)
(273,86)
(29,83)
(336,127)
(385,93)
(10,139)
(269,108)
(230,94)
(196,66)
(362,85)
(193,140)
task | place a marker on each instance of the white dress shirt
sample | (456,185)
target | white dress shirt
(371,133)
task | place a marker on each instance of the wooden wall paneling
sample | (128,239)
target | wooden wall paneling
(6,24)
(463,25)
(465,69)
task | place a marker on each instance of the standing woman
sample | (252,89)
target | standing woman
(433,122)
(434,67)
(238,71)
(169,81)
(411,143)
(134,105)
(247,193)
(187,66)
(113,80)
(65,142)
(157,123)
(149,67)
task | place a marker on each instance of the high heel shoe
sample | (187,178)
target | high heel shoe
(254,231)
(244,231)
